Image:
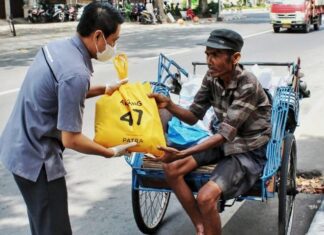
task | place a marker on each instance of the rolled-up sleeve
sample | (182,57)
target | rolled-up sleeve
(244,103)
(71,97)
(201,102)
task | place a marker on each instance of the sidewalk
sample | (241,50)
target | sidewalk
(24,28)
(317,225)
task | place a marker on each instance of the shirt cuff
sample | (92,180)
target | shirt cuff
(227,131)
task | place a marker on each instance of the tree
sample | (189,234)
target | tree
(159,4)
(204,7)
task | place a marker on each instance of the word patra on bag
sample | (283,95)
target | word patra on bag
(129,115)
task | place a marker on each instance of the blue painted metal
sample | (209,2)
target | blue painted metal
(285,103)
(166,69)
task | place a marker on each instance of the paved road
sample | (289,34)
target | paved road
(99,189)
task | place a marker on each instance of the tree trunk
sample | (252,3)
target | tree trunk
(160,6)
(204,7)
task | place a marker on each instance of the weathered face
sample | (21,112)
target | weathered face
(220,63)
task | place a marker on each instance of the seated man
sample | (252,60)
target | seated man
(239,146)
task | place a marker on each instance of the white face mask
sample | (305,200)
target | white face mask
(106,54)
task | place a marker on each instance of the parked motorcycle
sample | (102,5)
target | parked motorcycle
(58,14)
(36,15)
(72,13)
(134,14)
(157,15)
(147,17)
(47,13)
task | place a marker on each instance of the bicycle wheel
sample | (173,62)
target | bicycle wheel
(149,208)
(287,185)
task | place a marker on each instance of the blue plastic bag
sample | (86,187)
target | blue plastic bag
(181,135)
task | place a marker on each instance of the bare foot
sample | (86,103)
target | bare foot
(200,229)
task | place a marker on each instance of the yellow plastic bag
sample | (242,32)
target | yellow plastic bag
(129,115)
(121,65)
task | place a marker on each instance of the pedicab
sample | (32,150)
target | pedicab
(150,191)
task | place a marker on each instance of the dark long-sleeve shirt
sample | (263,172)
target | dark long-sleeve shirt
(243,110)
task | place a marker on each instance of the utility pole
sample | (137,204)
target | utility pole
(7,9)
(9,17)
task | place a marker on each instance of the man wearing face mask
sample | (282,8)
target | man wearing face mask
(47,117)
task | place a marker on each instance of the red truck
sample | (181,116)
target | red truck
(296,14)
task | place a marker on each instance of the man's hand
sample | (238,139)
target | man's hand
(111,88)
(170,154)
(121,150)
(161,100)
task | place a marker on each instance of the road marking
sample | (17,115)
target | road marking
(9,91)
(257,34)
(154,57)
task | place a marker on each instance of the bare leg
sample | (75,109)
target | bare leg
(175,173)
(208,197)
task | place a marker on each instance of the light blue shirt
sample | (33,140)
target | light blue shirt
(45,106)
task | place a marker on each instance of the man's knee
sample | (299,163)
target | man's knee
(171,170)
(208,196)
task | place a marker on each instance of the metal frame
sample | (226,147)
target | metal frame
(286,100)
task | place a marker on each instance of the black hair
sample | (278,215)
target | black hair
(229,53)
(99,16)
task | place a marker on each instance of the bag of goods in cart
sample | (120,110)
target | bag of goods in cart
(129,115)
(269,80)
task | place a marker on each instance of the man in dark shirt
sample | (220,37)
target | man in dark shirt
(239,146)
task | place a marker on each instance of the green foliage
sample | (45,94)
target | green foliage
(197,10)
(194,4)
(128,10)
(213,7)
(184,5)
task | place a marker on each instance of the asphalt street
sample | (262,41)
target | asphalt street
(99,189)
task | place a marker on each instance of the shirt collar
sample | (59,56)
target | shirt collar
(76,40)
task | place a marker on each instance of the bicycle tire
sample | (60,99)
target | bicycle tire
(287,185)
(149,213)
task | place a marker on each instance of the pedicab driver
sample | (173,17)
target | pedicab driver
(239,147)
(48,116)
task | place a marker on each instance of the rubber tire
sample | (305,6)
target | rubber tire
(319,21)
(142,224)
(306,28)
(30,19)
(42,19)
(287,177)
(276,29)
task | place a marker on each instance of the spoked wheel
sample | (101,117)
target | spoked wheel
(149,208)
(287,185)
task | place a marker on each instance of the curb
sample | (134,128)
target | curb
(317,225)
